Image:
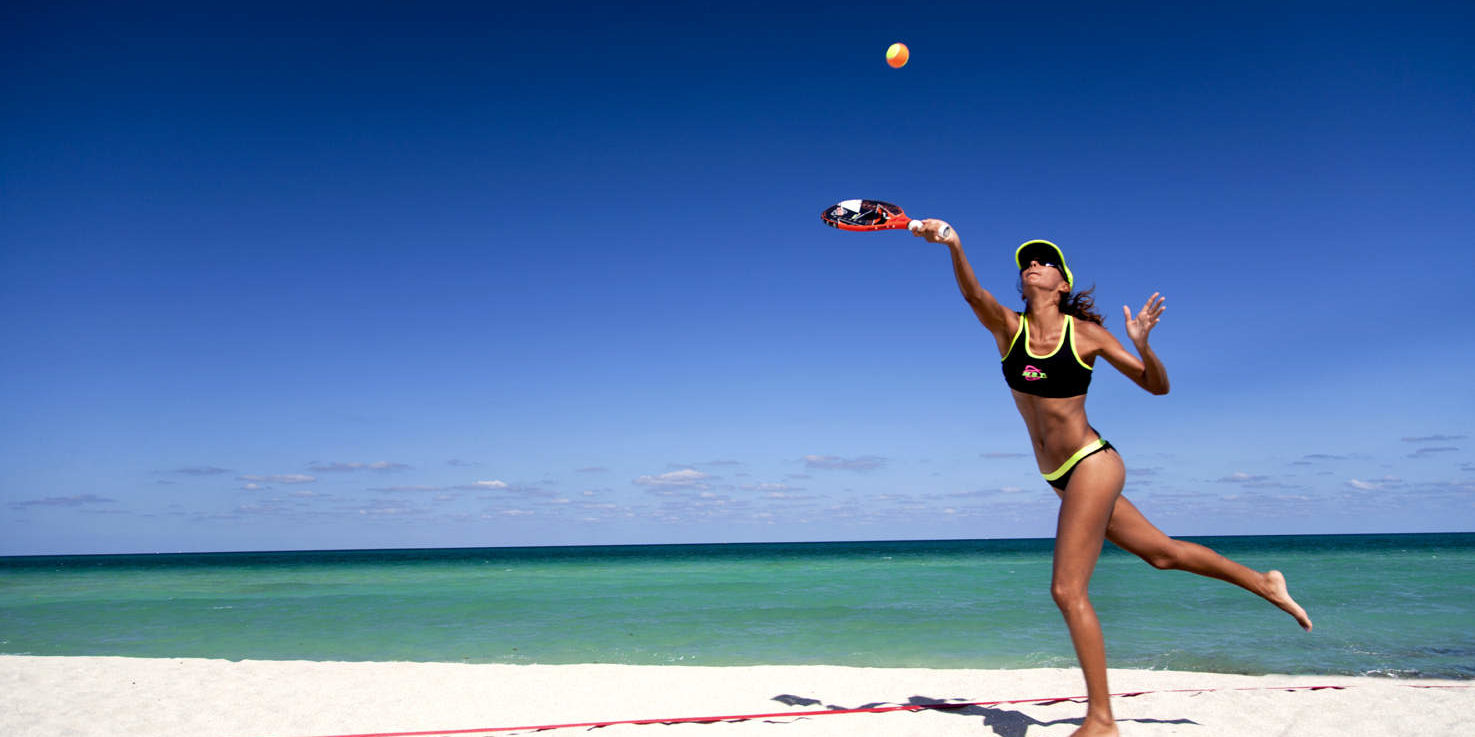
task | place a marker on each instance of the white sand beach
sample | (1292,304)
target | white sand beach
(55,696)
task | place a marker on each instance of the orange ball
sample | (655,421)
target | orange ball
(897,55)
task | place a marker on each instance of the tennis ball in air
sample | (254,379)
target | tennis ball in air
(897,55)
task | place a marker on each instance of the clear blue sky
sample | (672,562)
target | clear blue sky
(309,275)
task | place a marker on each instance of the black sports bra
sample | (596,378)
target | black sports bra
(1058,374)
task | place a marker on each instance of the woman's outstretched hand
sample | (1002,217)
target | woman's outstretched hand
(1139,327)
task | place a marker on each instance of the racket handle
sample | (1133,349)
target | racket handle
(945,232)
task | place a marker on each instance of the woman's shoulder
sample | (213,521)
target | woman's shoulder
(1092,336)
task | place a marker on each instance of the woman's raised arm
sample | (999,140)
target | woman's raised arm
(1000,320)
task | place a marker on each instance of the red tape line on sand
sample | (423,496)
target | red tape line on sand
(943,706)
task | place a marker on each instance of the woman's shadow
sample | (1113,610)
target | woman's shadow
(1003,722)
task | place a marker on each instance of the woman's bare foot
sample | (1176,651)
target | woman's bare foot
(1094,728)
(1277,593)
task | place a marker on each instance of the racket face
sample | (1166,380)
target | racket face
(864,215)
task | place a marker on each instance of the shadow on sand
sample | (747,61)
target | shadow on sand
(1003,722)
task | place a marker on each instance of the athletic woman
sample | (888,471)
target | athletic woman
(1049,352)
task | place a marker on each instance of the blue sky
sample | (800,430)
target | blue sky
(295,276)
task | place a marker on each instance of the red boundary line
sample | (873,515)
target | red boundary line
(871,710)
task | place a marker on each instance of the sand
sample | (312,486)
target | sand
(58,696)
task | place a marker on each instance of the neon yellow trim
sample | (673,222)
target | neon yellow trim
(1070,462)
(1017,331)
(1031,354)
(1073,350)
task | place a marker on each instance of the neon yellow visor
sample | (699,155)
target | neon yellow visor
(1046,253)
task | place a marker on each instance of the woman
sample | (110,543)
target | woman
(1049,352)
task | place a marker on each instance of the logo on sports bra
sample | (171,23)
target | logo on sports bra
(1031,373)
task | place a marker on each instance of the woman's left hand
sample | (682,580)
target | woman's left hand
(1146,320)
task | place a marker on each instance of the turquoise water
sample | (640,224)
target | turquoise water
(1397,605)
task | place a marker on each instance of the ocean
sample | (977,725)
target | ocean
(1387,605)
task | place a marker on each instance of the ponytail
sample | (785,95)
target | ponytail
(1081,305)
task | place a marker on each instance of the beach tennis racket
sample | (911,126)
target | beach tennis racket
(863,215)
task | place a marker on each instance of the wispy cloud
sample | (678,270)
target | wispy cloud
(1381,484)
(1427,452)
(770,487)
(974,494)
(384,508)
(80,500)
(263,507)
(1240,477)
(339,467)
(491,485)
(829,463)
(508,491)
(686,478)
(281,478)
(511,513)
(1461,490)
(996,493)
(704,506)
(1433,439)
(789,496)
(1253,481)
(200,471)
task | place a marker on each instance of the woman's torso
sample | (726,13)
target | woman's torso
(1048,372)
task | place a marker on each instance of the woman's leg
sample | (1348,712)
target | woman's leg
(1085,510)
(1131,531)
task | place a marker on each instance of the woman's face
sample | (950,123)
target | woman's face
(1043,276)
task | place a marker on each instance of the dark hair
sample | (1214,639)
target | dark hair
(1081,305)
(1076,304)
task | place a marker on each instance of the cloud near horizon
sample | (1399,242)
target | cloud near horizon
(859,463)
(281,478)
(686,478)
(1375,484)
(201,471)
(339,467)
(79,500)
(1427,452)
